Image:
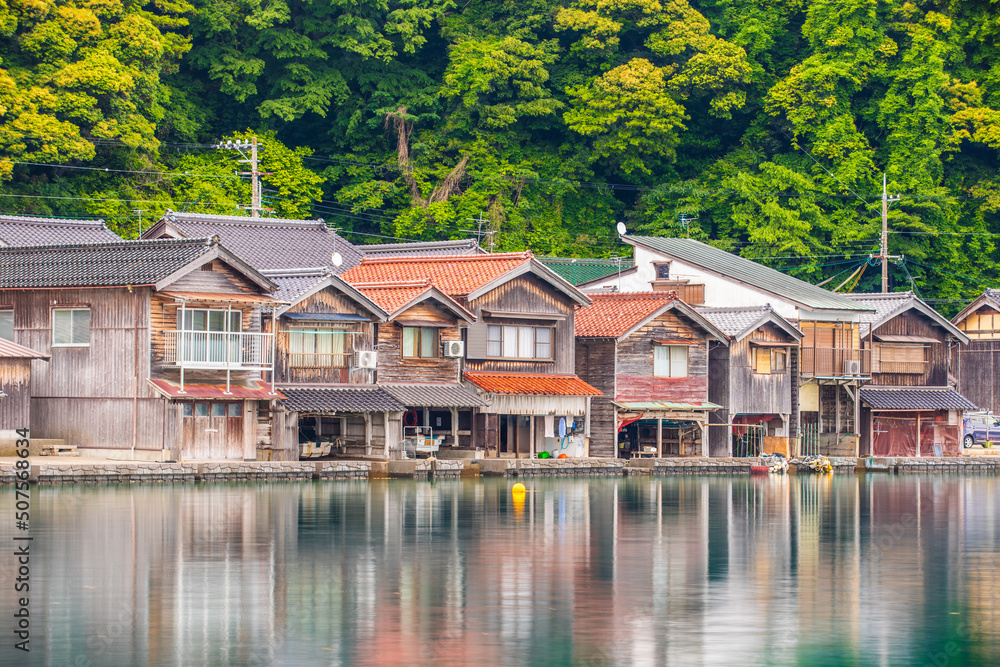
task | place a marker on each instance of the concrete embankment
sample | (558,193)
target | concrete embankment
(69,471)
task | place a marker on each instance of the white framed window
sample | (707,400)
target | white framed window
(203,319)
(506,341)
(71,327)
(317,347)
(420,342)
(7,324)
(670,361)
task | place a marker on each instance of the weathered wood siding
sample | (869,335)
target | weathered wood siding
(978,371)
(635,379)
(912,323)
(595,364)
(529,295)
(328,300)
(215,276)
(393,367)
(752,393)
(719,378)
(15,409)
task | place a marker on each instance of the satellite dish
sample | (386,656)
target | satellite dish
(337,259)
(621,229)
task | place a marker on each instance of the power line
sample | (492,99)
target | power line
(117,171)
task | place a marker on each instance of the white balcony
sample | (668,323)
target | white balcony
(219,349)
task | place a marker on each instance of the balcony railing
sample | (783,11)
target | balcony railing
(835,363)
(218,349)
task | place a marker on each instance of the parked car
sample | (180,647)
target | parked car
(980,427)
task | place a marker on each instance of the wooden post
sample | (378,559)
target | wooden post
(819,407)
(918,434)
(531,437)
(659,437)
(454,427)
(837,408)
(368,434)
(385,440)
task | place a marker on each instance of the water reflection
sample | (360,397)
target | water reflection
(804,570)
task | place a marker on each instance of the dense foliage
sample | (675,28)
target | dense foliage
(764,126)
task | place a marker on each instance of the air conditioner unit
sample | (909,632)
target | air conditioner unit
(852,367)
(454,348)
(367,359)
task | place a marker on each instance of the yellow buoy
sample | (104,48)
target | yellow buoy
(517,488)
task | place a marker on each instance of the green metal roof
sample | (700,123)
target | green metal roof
(750,273)
(579,270)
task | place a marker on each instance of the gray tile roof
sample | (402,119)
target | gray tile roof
(422,248)
(19,230)
(921,398)
(98,264)
(737,322)
(430,395)
(270,243)
(890,305)
(748,272)
(295,282)
(339,399)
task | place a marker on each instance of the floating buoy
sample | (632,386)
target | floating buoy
(563,456)
(517,489)
(759,470)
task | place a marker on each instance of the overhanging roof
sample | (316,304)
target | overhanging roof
(335,399)
(915,398)
(893,304)
(655,406)
(739,322)
(10,350)
(214,391)
(432,395)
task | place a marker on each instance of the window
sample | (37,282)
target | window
(188,409)
(670,361)
(201,409)
(235,409)
(518,342)
(663,271)
(218,409)
(769,361)
(420,342)
(205,339)
(71,327)
(901,358)
(7,324)
(200,319)
(317,347)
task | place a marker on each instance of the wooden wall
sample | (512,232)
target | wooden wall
(329,300)
(753,393)
(527,294)
(719,378)
(913,323)
(595,364)
(978,371)
(635,380)
(393,367)
(216,276)
(15,409)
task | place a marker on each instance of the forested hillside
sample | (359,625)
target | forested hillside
(765,125)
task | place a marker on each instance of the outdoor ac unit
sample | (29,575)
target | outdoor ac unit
(852,367)
(367,359)
(454,348)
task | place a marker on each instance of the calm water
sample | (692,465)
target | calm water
(682,571)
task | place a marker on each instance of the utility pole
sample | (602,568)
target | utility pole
(139,212)
(256,205)
(884,254)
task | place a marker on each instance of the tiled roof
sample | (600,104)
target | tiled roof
(424,248)
(215,390)
(340,399)
(9,350)
(893,304)
(748,272)
(98,264)
(19,230)
(455,275)
(737,322)
(578,271)
(391,297)
(613,315)
(270,243)
(536,384)
(293,283)
(428,395)
(923,398)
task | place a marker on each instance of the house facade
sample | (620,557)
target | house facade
(155,350)
(911,406)
(977,367)
(832,363)
(648,353)
(754,378)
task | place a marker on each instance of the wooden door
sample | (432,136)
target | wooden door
(234,431)
(197,444)
(217,432)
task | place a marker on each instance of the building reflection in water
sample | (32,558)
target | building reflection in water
(682,570)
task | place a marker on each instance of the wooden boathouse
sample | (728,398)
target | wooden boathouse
(977,366)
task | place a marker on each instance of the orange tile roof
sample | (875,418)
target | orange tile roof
(455,275)
(612,315)
(391,296)
(537,384)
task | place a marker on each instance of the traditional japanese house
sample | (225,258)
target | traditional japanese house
(264,243)
(324,366)
(648,353)
(911,406)
(420,359)
(23,230)
(977,366)
(752,379)
(15,382)
(831,365)
(518,351)
(155,347)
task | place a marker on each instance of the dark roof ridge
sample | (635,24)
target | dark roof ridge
(668,295)
(861,296)
(42,220)
(304,272)
(732,309)
(244,220)
(214,240)
(525,254)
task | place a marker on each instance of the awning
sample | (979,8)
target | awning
(430,395)
(10,350)
(899,338)
(665,406)
(213,391)
(327,317)
(339,399)
(770,343)
(922,398)
(434,324)
(221,297)
(535,384)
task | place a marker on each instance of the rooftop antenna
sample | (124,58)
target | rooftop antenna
(686,219)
